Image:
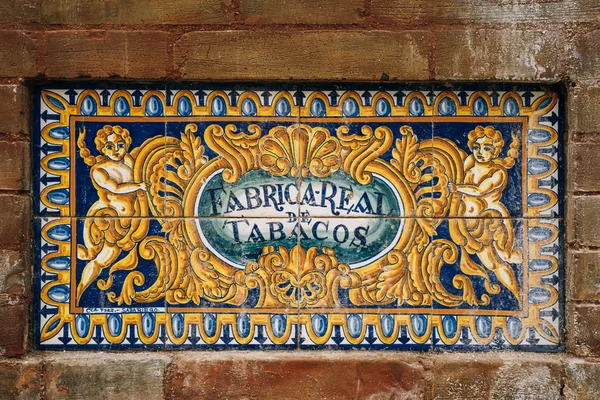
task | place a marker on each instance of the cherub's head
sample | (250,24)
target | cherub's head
(113,142)
(485,143)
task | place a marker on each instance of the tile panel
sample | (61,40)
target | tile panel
(275,216)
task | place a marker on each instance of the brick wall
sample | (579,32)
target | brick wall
(457,40)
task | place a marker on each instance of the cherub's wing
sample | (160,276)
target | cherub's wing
(429,165)
(168,164)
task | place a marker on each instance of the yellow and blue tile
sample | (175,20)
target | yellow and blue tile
(418,217)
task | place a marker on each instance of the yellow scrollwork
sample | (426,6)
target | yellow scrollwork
(240,150)
(360,150)
(436,179)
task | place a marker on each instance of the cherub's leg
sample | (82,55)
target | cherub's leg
(505,245)
(104,259)
(503,271)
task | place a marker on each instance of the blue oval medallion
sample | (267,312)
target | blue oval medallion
(354,325)
(121,107)
(59,163)
(317,108)
(338,236)
(55,102)
(115,324)
(177,324)
(59,197)
(82,325)
(415,107)
(88,106)
(387,325)
(319,324)
(449,325)
(350,108)
(60,263)
(154,107)
(511,107)
(538,295)
(538,199)
(538,166)
(148,324)
(484,326)
(209,321)
(419,324)
(446,107)
(513,327)
(60,132)
(249,108)
(540,265)
(218,106)
(539,234)
(53,325)
(278,324)
(480,107)
(545,103)
(243,325)
(538,136)
(383,108)
(283,108)
(59,232)
(59,293)
(184,106)
(546,330)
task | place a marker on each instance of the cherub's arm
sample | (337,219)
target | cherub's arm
(485,187)
(128,160)
(102,179)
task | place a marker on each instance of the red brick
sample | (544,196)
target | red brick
(419,12)
(338,12)
(587,56)
(13,270)
(105,376)
(583,271)
(302,55)
(583,104)
(583,333)
(387,379)
(586,221)
(15,109)
(14,220)
(132,12)
(103,54)
(501,53)
(20,379)
(585,167)
(269,376)
(496,376)
(18,53)
(13,330)
(463,379)
(12,11)
(582,380)
(14,166)
(527,380)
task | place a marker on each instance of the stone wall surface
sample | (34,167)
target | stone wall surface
(357,40)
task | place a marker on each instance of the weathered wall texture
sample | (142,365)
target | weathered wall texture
(451,40)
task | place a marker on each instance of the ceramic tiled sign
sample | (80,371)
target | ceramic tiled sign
(211,216)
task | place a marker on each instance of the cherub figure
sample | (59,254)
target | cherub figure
(106,233)
(487,228)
